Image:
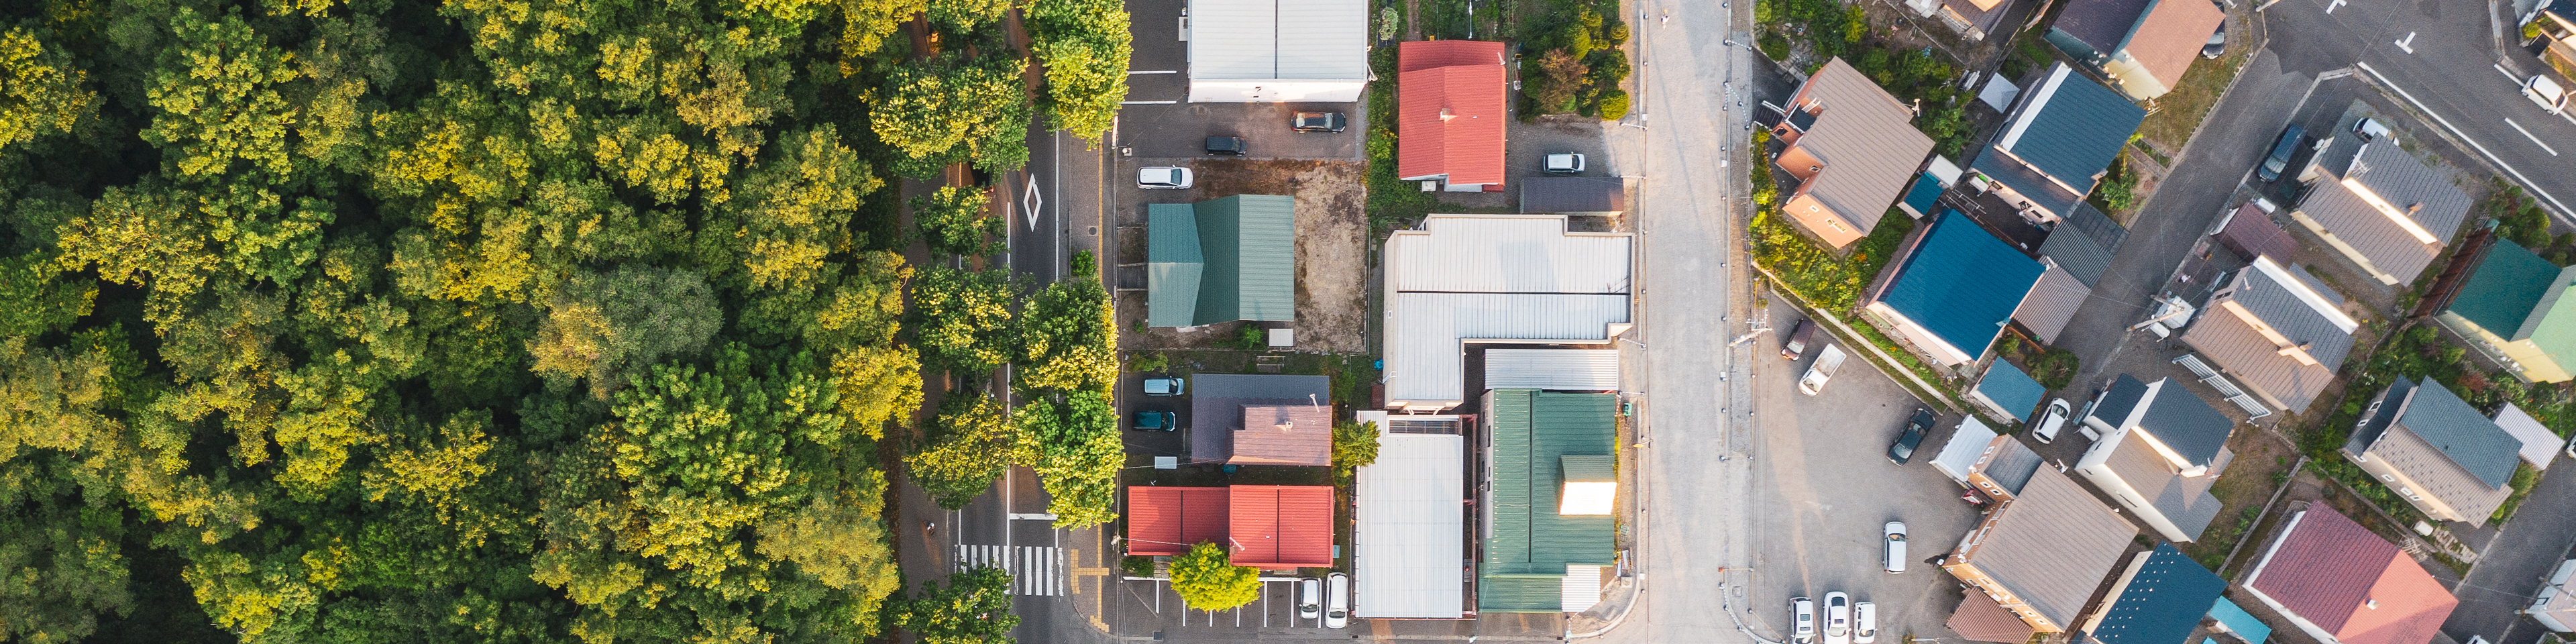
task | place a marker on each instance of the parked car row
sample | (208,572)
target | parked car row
(1164,177)
(1842,621)
(1328,599)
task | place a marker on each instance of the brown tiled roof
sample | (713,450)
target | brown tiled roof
(1284,435)
(1864,138)
(2170,37)
(1979,618)
(1450,110)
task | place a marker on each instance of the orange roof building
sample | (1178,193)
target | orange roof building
(1262,526)
(1450,112)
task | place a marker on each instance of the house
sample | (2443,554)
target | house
(1450,113)
(2435,450)
(2040,555)
(1260,419)
(2158,599)
(2008,392)
(2143,46)
(2558,26)
(2383,209)
(1409,520)
(1492,279)
(1560,195)
(2250,233)
(2084,243)
(2278,331)
(2343,584)
(2161,450)
(1851,147)
(2555,605)
(1221,260)
(2004,468)
(1262,526)
(1954,289)
(1273,51)
(1552,369)
(1538,558)
(2514,309)
(2052,303)
(2057,142)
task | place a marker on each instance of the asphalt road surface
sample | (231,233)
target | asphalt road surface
(2516,563)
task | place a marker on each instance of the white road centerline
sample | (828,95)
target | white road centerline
(2517,127)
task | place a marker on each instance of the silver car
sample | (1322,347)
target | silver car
(1802,620)
(1163,177)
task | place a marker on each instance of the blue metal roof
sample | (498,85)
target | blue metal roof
(1923,197)
(2011,389)
(2236,620)
(1960,283)
(2162,603)
(2075,130)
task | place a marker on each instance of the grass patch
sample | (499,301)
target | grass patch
(2524,478)
(2180,111)
(1816,273)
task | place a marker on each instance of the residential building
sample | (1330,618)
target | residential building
(1221,260)
(1450,113)
(2383,209)
(1275,51)
(2555,605)
(2084,243)
(1260,419)
(1409,520)
(2250,233)
(1562,195)
(2558,26)
(2342,584)
(2514,309)
(2435,450)
(2052,303)
(1270,527)
(2041,555)
(1537,557)
(1492,279)
(2007,392)
(1851,147)
(2161,450)
(2143,46)
(2160,598)
(2058,141)
(1954,288)
(2277,331)
(2004,468)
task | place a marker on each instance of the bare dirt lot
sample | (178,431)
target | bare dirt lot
(1332,254)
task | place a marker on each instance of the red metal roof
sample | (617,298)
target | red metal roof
(2345,579)
(1450,97)
(1168,520)
(1280,526)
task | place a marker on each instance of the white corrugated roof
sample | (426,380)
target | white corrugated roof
(1558,369)
(1271,39)
(1588,497)
(2539,445)
(1506,254)
(1424,333)
(1580,589)
(1408,555)
(1965,446)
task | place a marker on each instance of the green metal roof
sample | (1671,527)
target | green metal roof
(1173,265)
(2555,334)
(1589,468)
(2506,286)
(1533,432)
(1221,260)
(1521,594)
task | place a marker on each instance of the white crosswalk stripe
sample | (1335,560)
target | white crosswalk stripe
(1035,570)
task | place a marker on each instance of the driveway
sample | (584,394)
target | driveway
(2517,561)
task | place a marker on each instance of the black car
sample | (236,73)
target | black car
(2282,149)
(1157,421)
(1225,145)
(1903,449)
(1318,122)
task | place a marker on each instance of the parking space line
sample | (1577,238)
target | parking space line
(1148,102)
(2517,127)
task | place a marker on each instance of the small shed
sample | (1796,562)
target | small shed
(2539,445)
(2251,234)
(1966,446)
(1923,197)
(2008,391)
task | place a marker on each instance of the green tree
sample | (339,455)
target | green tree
(962,320)
(605,327)
(954,221)
(973,608)
(1354,447)
(969,444)
(218,99)
(1069,337)
(1076,450)
(40,92)
(945,110)
(1206,580)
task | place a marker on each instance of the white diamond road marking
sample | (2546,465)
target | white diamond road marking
(1035,570)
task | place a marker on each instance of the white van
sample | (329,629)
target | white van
(1337,614)
(1802,620)
(1864,623)
(2546,93)
(1891,557)
(1310,598)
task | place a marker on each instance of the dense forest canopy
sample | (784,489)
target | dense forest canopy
(520,320)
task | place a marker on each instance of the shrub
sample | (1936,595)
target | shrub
(1135,566)
(1614,104)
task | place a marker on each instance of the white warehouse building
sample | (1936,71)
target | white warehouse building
(1273,51)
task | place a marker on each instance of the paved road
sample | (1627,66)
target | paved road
(2443,57)
(1688,212)
(2513,565)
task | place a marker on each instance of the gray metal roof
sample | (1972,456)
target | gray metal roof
(2101,24)
(2011,466)
(2125,394)
(1550,195)
(2419,193)
(2472,441)
(1556,369)
(2184,500)
(1217,402)
(2287,306)
(2052,303)
(2025,180)
(2184,422)
(2084,243)
(1866,140)
(2052,545)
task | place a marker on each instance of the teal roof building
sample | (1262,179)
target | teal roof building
(1536,442)
(1221,260)
(2515,308)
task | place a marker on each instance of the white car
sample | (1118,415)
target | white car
(1310,598)
(1802,620)
(2546,93)
(2046,429)
(1337,614)
(1837,618)
(1864,623)
(1564,163)
(1892,556)
(1163,177)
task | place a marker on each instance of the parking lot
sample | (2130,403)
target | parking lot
(1826,486)
(1159,122)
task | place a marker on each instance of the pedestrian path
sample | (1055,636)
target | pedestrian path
(1035,570)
